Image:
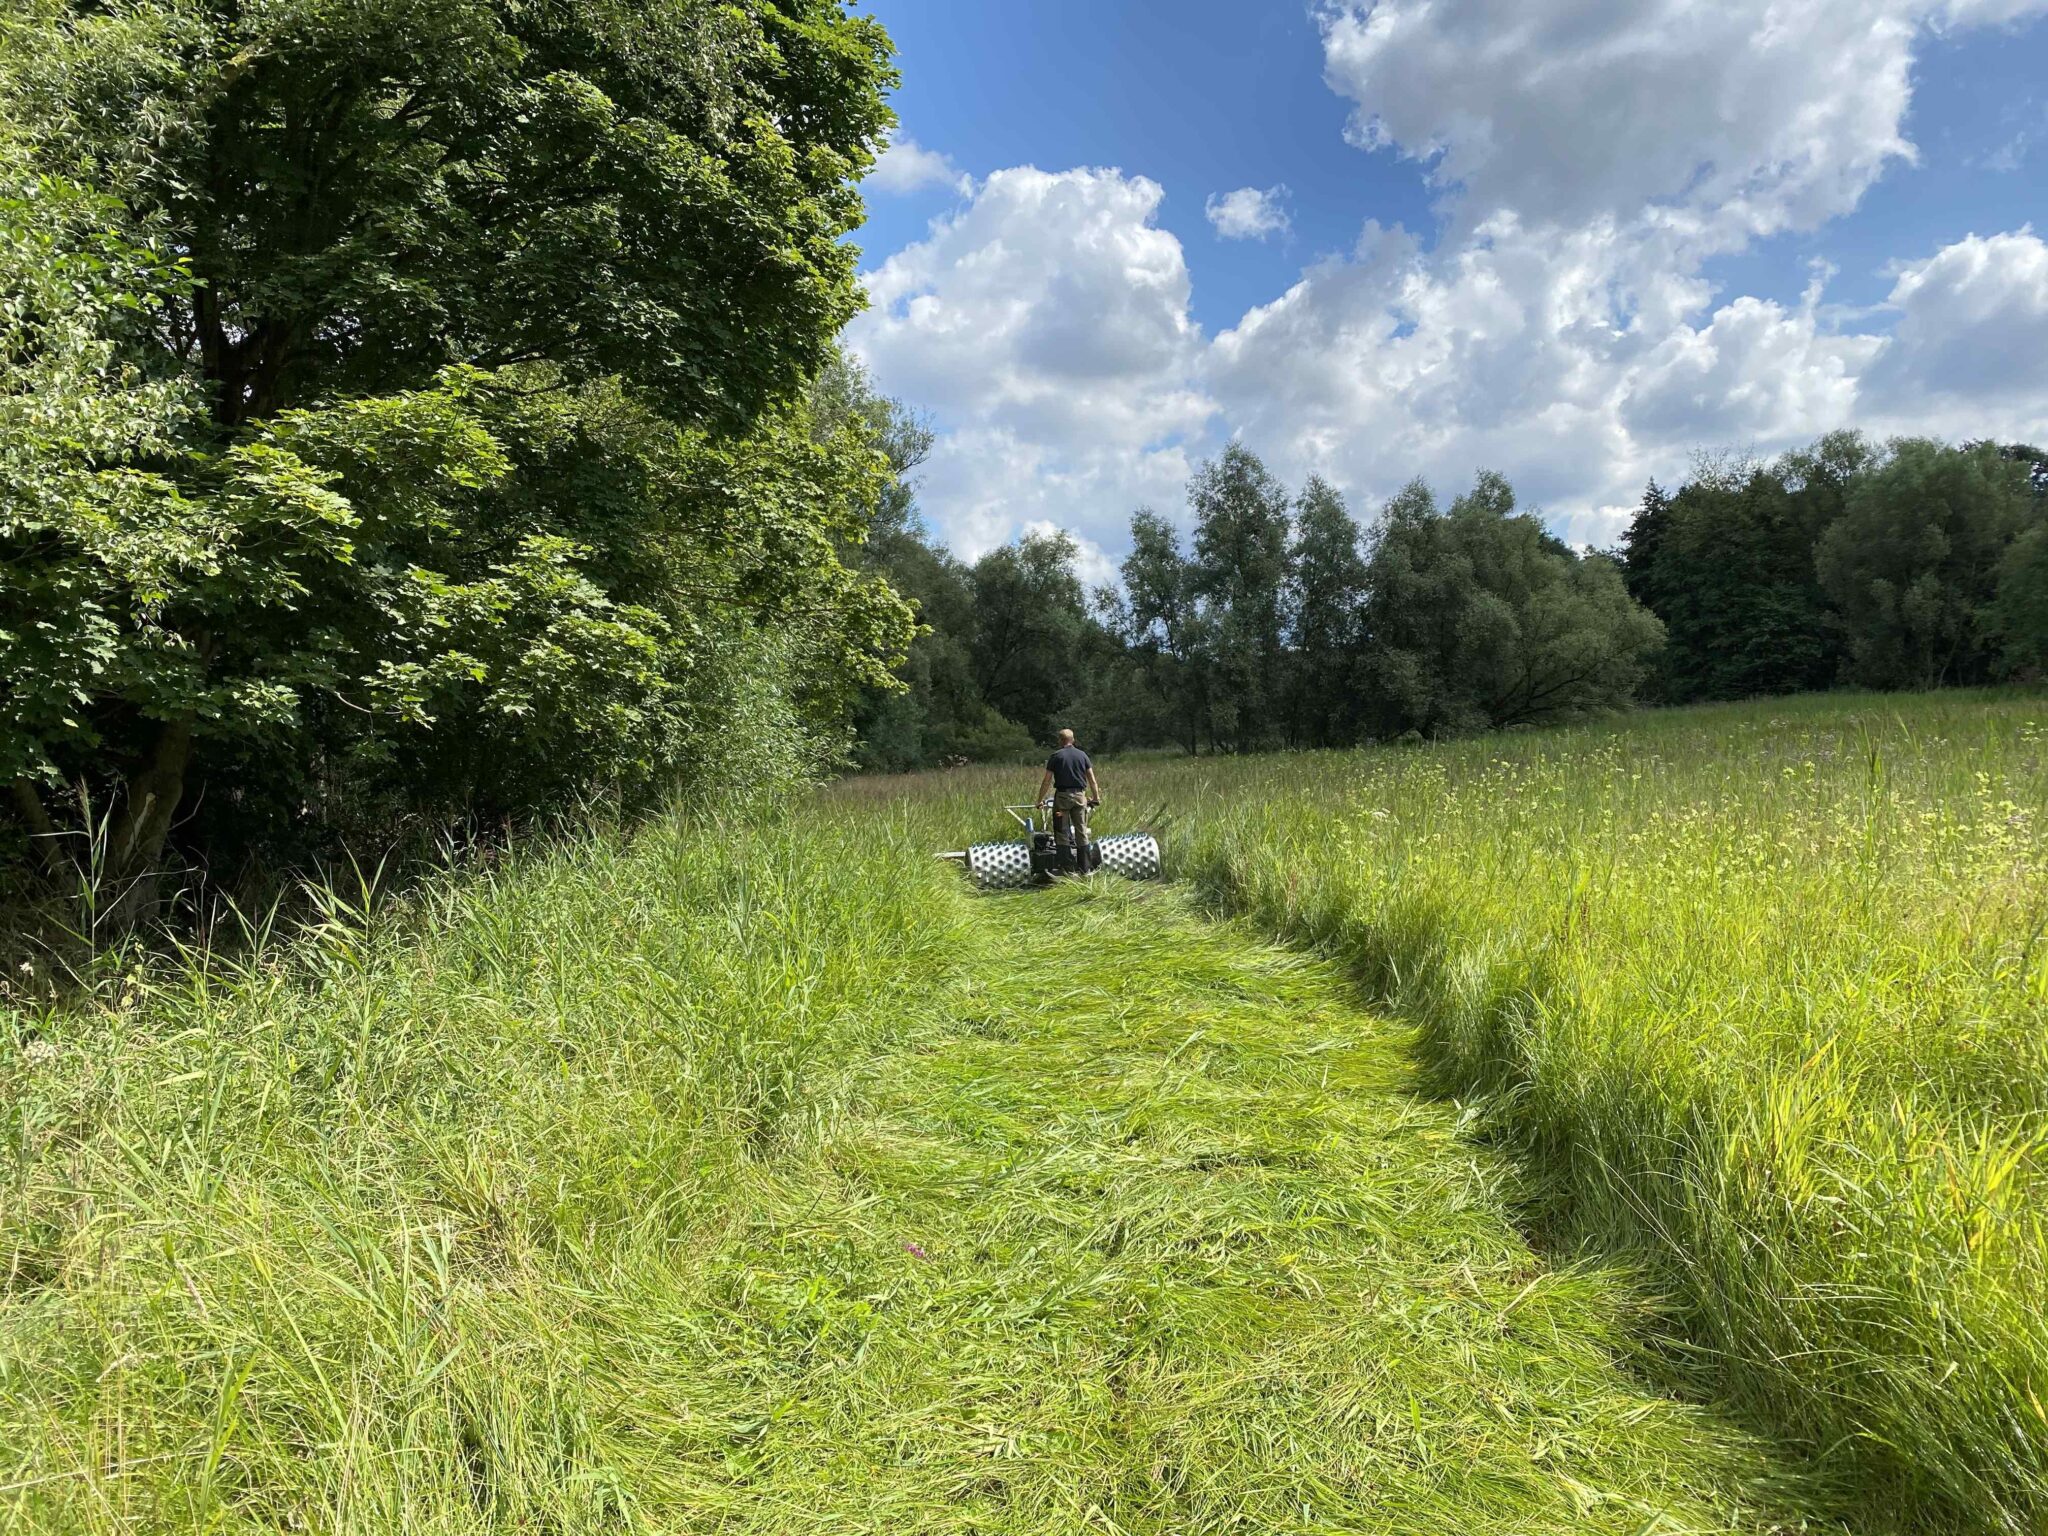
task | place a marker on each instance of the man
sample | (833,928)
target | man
(1069,780)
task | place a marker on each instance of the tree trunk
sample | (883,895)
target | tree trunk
(43,834)
(136,843)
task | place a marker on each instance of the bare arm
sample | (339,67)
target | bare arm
(1044,787)
(1094,789)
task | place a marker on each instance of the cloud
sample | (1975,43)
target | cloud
(1248,213)
(1735,119)
(1590,158)
(907,166)
(1989,12)
(1972,329)
(1047,324)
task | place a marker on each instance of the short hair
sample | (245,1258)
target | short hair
(1066,738)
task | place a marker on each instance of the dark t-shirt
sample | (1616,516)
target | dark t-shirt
(1069,768)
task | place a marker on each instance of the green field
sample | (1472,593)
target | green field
(1632,1129)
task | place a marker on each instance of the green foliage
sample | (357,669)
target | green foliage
(1002,634)
(1237,575)
(1159,618)
(1728,566)
(371,192)
(1915,557)
(1840,562)
(465,456)
(1323,607)
(89,539)
(1479,619)
(2018,615)
(1030,630)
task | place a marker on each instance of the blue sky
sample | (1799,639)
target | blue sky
(1574,242)
(1203,96)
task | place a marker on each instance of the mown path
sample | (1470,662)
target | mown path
(1181,1253)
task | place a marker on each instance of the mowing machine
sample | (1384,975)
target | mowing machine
(1037,858)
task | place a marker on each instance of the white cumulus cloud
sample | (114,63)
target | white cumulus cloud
(1575,111)
(1591,157)
(907,166)
(1248,213)
(1047,322)
(1972,332)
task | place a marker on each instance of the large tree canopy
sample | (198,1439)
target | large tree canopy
(410,402)
(1480,619)
(1915,558)
(372,190)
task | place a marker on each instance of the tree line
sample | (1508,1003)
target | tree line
(1281,621)
(1909,564)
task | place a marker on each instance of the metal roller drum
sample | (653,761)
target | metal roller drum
(1134,855)
(1015,865)
(1000,866)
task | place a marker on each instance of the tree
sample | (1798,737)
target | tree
(2034,460)
(489,462)
(1915,558)
(2017,617)
(1238,573)
(372,192)
(1321,602)
(1479,619)
(1742,610)
(1728,565)
(1643,568)
(87,539)
(1121,705)
(1161,621)
(932,711)
(1031,624)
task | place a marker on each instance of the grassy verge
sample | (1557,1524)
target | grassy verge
(1762,992)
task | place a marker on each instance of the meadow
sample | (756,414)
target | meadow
(1761,994)
(1629,1128)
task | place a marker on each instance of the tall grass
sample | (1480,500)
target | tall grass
(390,1227)
(1762,991)
(753,1178)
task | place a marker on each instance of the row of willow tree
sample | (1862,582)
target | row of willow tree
(1282,622)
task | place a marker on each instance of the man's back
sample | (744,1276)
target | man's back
(1069,768)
